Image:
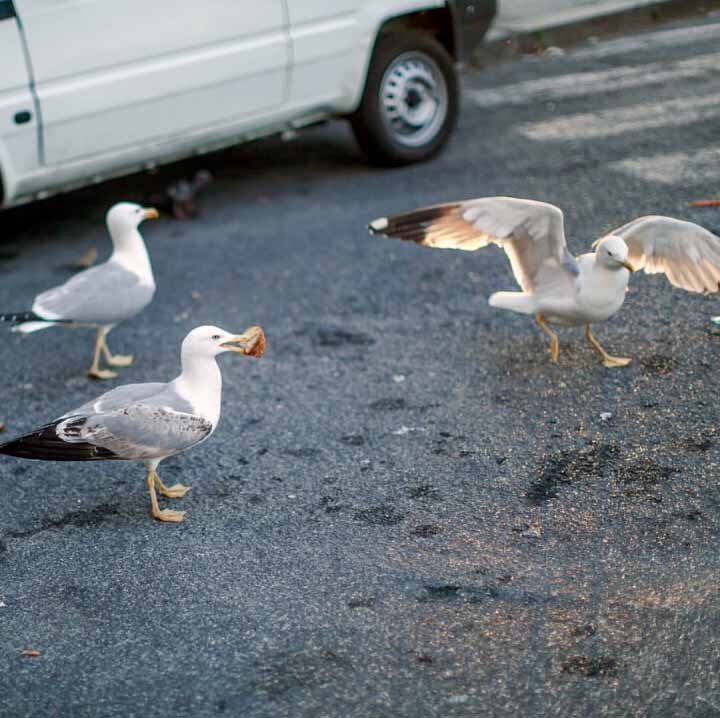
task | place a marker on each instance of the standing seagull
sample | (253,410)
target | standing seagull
(101,296)
(557,287)
(146,422)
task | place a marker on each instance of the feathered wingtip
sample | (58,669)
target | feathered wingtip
(414,226)
(45,445)
(19,317)
(26,322)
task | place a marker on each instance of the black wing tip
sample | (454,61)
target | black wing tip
(20,317)
(412,225)
(45,445)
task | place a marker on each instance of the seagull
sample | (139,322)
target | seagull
(146,422)
(102,296)
(557,287)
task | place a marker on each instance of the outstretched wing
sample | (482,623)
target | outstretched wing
(530,232)
(688,254)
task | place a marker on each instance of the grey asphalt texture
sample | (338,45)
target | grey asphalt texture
(406,509)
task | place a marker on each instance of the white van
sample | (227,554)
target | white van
(91,89)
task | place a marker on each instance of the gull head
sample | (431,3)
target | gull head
(210,341)
(126,216)
(612,253)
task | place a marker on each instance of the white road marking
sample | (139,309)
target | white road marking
(650,41)
(581,84)
(674,168)
(608,123)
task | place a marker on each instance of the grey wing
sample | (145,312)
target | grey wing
(688,254)
(104,294)
(119,398)
(531,233)
(138,432)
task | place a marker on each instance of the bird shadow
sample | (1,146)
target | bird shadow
(92,517)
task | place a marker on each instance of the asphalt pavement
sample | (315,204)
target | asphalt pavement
(406,509)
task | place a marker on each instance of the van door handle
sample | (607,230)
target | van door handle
(22,117)
(7,9)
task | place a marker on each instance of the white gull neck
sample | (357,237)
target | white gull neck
(200,383)
(130,252)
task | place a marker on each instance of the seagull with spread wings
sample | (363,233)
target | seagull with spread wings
(146,422)
(558,288)
(102,296)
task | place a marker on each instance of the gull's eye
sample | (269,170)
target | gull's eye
(216,337)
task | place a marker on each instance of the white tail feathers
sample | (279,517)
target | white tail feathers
(28,327)
(514,301)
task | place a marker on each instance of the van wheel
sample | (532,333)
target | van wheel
(410,104)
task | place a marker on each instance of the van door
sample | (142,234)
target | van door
(116,75)
(324,38)
(18,119)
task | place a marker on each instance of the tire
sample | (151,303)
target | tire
(410,104)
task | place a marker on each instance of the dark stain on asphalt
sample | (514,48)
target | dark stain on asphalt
(353,439)
(336,337)
(659,364)
(590,667)
(331,505)
(389,404)
(640,478)
(301,669)
(425,491)
(570,466)
(584,631)
(692,515)
(698,444)
(425,530)
(361,602)
(381,515)
(448,592)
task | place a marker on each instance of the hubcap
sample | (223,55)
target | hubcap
(413,99)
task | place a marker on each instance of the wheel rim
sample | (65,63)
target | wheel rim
(413,99)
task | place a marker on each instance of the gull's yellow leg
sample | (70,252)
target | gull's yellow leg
(115,359)
(95,371)
(177,491)
(605,358)
(165,514)
(554,344)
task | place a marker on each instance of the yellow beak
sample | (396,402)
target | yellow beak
(628,266)
(151,213)
(250,343)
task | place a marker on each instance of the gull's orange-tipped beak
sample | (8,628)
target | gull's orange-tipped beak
(628,266)
(151,213)
(250,343)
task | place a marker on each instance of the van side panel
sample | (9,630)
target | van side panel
(114,76)
(18,123)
